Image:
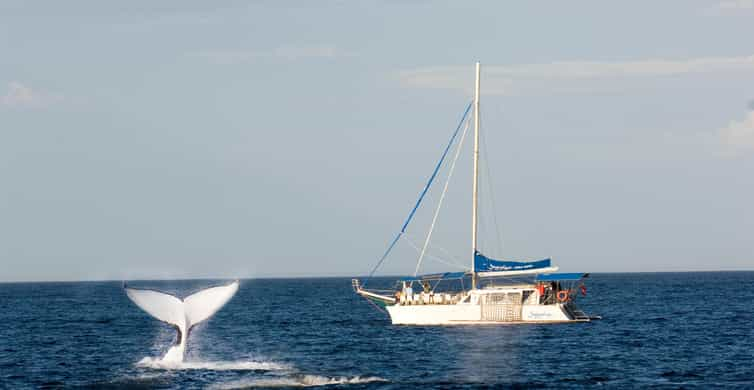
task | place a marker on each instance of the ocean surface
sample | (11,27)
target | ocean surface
(672,330)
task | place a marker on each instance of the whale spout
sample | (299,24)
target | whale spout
(184,313)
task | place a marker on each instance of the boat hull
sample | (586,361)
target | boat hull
(460,314)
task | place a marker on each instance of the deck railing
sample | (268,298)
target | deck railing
(431,299)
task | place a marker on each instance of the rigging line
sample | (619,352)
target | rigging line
(446,252)
(449,256)
(432,256)
(441,249)
(442,197)
(421,196)
(437,168)
(375,306)
(490,189)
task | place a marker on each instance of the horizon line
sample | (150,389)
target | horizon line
(276,277)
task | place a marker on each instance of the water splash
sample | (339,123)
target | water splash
(247,365)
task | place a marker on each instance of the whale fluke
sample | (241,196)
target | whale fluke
(184,313)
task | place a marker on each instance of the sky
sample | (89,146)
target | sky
(187,139)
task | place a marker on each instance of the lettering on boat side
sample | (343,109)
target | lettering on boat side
(539,315)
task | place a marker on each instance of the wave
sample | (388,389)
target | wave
(248,365)
(297,381)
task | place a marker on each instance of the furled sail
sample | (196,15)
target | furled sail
(486,265)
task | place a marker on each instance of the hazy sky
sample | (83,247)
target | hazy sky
(189,139)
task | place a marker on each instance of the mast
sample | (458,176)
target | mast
(475,186)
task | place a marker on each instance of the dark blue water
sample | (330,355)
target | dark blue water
(663,330)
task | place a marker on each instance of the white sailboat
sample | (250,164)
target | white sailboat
(496,294)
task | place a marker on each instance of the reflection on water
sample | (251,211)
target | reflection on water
(489,354)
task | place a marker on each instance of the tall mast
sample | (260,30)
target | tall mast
(475,187)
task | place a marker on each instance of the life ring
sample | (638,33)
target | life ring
(563,295)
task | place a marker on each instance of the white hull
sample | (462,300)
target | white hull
(466,313)
(477,309)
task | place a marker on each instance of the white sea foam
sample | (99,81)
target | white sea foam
(297,381)
(243,365)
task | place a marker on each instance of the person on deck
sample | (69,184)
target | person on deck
(408,292)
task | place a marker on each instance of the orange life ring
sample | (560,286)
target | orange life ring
(563,295)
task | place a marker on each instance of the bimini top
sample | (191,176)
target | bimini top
(561,277)
(441,276)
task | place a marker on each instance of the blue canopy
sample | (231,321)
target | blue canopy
(442,276)
(483,263)
(559,277)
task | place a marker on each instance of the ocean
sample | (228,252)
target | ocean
(665,330)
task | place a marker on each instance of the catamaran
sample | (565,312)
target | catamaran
(491,291)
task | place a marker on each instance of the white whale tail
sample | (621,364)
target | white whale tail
(183,314)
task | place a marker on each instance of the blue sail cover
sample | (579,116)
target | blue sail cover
(483,263)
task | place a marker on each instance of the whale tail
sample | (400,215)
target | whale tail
(184,313)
